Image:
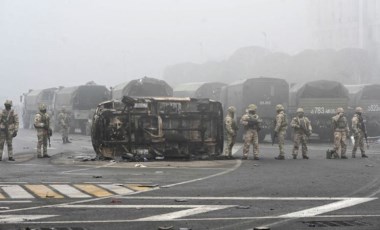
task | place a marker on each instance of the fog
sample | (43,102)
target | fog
(48,43)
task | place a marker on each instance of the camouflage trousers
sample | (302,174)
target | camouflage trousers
(281,142)
(300,139)
(340,142)
(42,144)
(230,143)
(6,137)
(65,132)
(359,142)
(251,137)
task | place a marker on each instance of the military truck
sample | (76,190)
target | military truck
(319,99)
(209,90)
(366,96)
(158,128)
(32,100)
(143,87)
(264,92)
(80,102)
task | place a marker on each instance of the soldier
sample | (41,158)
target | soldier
(42,125)
(280,130)
(231,130)
(358,128)
(340,127)
(251,122)
(64,122)
(8,128)
(302,130)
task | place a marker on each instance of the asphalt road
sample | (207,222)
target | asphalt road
(71,191)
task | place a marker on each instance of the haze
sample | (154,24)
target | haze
(51,43)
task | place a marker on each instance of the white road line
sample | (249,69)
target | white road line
(15,201)
(121,190)
(129,206)
(233,198)
(191,219)
(327,208)
(21,218)
(184,213)
(69,191)
(16,192)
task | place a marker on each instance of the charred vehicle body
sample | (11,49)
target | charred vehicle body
(209,90)
(80,102)
(32,100)
(319,99)
(367,97)
(151,127)
(143,87)
(266,93)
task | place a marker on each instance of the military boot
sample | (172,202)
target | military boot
(328,154)
(305,157)
(280,157)
(67,140)
(353,155)
(11,159)
(343,157)
(363,155)
(63,140)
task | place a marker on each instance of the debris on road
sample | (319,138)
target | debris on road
(140,166)
(368,165)
(97,176)
(115,201)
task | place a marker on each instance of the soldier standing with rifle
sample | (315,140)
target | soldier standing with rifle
(302,131)
(341,130)
(281,124)
(231,130)
(251,122)
(8,128)
(42,125)
(64,121)
(360,132)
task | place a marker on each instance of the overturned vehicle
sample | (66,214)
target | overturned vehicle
(158,127)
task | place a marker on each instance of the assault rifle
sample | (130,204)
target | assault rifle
(364,129)
(274,136)
(50,133)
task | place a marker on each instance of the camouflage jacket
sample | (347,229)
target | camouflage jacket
(340,123)
(42,121)
(357,124)
(251,121)
(281,122)
(64,119)
(9,120)
(301,125)
(230,125)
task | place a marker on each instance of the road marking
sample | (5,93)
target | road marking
(183,213)
(118,189)
(16,192)
(90,168)
(69,191)
(93,190)
(21,218)
(15,201)
(138,187)
(43,191)
(2,196)
(233,198)
(327,208)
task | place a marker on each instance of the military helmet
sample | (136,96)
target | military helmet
(231,109)
(252,107)
(359,110)
(340,110)
(300,110)
(42,107)
(8,102)
(279,107)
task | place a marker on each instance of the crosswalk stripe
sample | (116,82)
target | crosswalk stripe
(16,192)
(43,191)
(93,190)
(121,190)
(69,191)
(138,187)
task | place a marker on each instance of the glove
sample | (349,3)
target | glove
(14,134)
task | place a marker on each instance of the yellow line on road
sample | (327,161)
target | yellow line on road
(93,190)
(138,187)
(43,191)
(2,196)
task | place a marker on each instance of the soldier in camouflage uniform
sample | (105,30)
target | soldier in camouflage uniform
(42,125)
(358,128)
(341,130)
(8,128)
(231,130)
(302,131)
(64,122)
(280,130)
(251,122)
